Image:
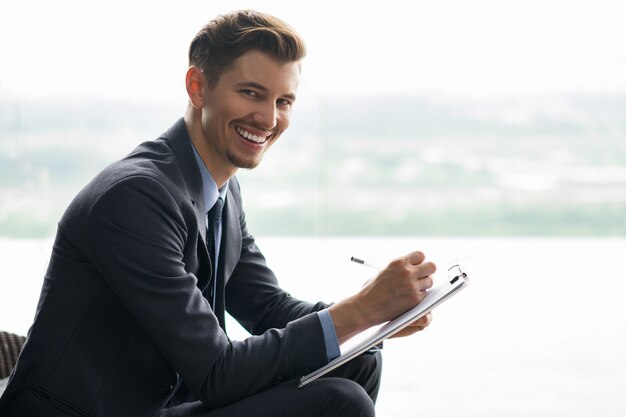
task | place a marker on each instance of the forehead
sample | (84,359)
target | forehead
(257,67)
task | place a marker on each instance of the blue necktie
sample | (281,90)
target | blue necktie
(214,218)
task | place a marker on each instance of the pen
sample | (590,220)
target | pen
(364,263)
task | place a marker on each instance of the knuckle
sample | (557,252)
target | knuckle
(423,284)
(398,263)
(428,282)
(407,275)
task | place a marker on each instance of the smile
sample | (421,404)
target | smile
(249,136)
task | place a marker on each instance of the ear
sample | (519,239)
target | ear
(195,82)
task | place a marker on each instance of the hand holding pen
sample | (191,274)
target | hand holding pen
(397,288)
(414,327)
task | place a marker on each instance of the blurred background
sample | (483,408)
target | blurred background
(490,132)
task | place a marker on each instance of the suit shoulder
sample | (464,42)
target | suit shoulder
(150,160)
(148,173)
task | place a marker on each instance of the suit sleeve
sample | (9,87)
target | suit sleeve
(136,236)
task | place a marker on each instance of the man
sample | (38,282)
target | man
(151,253)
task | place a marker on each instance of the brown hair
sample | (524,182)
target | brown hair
(227,37)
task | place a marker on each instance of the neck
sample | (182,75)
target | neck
(220,170)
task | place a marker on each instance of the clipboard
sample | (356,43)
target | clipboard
(457,280)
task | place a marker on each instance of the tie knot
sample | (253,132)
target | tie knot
(215,213)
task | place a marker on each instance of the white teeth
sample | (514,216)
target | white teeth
(250,136)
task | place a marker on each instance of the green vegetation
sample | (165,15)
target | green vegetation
(394,166)
(491,221)
(26,225)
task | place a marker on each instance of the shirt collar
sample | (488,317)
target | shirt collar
(210,192)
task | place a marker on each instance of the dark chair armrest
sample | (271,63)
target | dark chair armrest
(10,347)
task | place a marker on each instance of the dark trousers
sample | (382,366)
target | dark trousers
(348,391)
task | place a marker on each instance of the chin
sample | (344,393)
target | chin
(245,163)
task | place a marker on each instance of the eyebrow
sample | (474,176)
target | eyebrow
(262,88)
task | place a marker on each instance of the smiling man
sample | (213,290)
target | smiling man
(243,114)
(154,250)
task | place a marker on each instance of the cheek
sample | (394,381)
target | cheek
(284,120)
(212,123)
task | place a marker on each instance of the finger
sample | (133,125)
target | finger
(425,269)
(415,258)
(422,284)
(407,331)
(426,320)
(416,326)
(423,321)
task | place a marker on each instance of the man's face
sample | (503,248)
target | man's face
(248,109)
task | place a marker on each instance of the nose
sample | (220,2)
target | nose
(266,116)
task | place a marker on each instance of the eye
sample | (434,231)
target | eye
(250,93)
(283,102)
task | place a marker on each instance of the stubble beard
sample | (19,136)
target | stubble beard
(240,162)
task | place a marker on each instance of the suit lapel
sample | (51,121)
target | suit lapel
(230,250)
(180,142)
(205,269)
(231,237)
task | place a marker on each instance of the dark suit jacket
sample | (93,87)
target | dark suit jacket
(122,320)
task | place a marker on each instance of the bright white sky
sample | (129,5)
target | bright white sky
(137,49)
